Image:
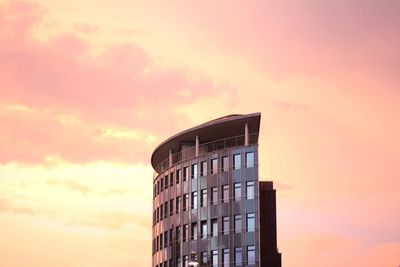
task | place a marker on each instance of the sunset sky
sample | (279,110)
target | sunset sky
(88,88)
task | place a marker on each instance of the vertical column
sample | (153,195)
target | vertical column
(246,134)
(170,158)
(197,145)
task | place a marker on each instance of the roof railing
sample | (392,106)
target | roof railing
(221,144)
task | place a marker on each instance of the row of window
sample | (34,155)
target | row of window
(174,235)
(169,180)
(168,207)
(205,260)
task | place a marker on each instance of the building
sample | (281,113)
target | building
(208,204)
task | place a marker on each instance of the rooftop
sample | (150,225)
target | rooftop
(221,128)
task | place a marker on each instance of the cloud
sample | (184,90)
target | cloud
(114,220)
(119,89)
(7,206)
(70,185)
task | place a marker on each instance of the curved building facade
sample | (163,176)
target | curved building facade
(208,204)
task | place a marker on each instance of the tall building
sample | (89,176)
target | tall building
(209,207)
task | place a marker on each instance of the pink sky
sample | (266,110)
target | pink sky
(89,88)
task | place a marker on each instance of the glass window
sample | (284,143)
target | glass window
(158,187)
(225,193)
(185,233)
(204,257)
(204,197)
(204,229)
(171,206)
(162,185)
(185,261)
(194,231)
(214,227)
(178,176)
(249,160)
(171,234)
(185,173)
(225,225)
(194,200)
(251,255)
(185,201)
(177,233)
(238,223)
(194,171)
(238,256)
(214,195)
(166,181)
(214,165)
(161,241)
(161,212)
(250,222)
(238,191)
(236,161)
(171,179)
(250,190)
(225,257)
(178,204)
(225,164)
(203,171)
(165,239)
(214,258)
(166,209)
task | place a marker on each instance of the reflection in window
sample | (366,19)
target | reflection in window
(203,229)
(249,160)
(225,164)
(238,191)
(250,190)
(238,256)
(194,171)
(225,193)
(203,168)
(185,201)
(250,222)
(214,165)
(214,258)
(251,255)
(214,227)
(236,161)
(214,195)
(185,232)
(194,200)
(238,223)
(203,198)
(194,231)
(204,257)
(225,257)
(225,225)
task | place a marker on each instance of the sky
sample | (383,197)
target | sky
(89,88)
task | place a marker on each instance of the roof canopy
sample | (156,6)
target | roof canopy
(221,128)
